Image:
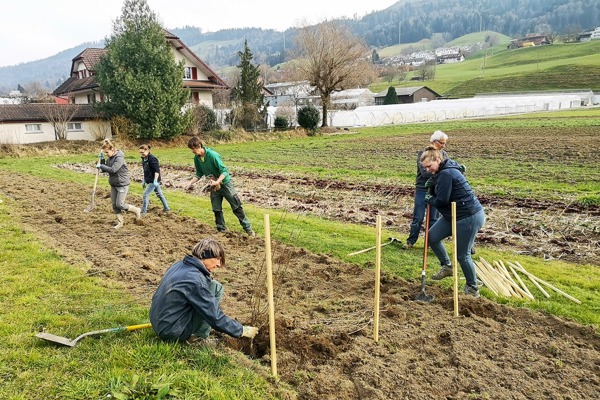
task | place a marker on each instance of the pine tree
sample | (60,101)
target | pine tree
(248,92)
(391,97)
(140,77)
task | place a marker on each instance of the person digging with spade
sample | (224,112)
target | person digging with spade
(438,140)
(186,304)
(118,178)
(208,163)
(452,186)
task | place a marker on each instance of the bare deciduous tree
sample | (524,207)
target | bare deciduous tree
(37,93)
(59,115)
(332,58)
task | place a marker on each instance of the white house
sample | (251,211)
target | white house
(291,93)
(30,123)
(82,88)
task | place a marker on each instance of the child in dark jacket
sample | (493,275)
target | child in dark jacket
(152,179)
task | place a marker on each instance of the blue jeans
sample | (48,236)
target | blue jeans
(466,229)
(419,215)
(228,193)
(146,197)
(200,327)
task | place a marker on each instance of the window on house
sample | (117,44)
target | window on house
(74,126)
(91,98)
(33,128)
(189,73)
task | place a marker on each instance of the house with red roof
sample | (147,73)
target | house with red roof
(82,88)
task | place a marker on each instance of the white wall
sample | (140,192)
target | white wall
(15,133)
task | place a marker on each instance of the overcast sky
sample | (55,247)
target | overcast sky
(36,29)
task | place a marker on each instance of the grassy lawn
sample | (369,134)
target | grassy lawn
(38,288)
(566,66)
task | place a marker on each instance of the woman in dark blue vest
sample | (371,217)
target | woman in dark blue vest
(450,185)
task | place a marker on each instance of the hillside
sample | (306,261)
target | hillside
(559,66)
(410,22)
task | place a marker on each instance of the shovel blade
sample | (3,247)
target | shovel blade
(56,339)
(92,204)
(424,297)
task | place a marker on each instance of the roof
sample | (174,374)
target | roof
(179,45)
(406,91)
(352,93)
(38,112)
(73,85)
(91,56)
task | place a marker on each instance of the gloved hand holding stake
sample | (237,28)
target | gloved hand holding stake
(98,165)
(156,183)
(428,197)
(429,182)
(462,168)
(249,332)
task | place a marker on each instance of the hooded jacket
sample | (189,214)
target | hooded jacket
(422,174)
(452,186)
(183,292)
(118,174)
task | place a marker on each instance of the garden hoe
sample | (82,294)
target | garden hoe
(93,203)
(71,343)
(422,296)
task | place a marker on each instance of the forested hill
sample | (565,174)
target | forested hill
(413,20)
(407,21)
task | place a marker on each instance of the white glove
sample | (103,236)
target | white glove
(249,332)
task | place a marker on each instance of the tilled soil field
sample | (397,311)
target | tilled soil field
(324,318)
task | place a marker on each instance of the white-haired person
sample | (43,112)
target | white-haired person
(187,303)
(438,140)
(452,186)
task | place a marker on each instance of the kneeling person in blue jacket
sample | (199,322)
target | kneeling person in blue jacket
(186,305)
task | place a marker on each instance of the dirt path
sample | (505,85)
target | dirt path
(324,332)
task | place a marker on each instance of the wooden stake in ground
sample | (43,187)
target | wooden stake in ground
(377,279)
(270,292)
(455,259)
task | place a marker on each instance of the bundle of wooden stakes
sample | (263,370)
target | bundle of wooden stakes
(499,280)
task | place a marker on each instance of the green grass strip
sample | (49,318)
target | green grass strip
(38,290)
